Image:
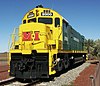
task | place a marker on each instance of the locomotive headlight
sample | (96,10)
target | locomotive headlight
(46,13)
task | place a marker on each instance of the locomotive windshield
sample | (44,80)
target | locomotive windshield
(32,20)
(45,20)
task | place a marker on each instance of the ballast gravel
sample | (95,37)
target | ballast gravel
(66,78)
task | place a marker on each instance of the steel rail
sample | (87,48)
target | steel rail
(13,82)
(2,82)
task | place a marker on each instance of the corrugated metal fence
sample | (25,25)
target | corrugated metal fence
(97,75)
(95,80)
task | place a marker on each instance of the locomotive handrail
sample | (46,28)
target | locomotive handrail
(12,39)
(60,33)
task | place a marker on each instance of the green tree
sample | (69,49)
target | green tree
(89,45)
(93,46)
(97,47)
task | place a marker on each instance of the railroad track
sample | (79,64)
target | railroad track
(9,80)
(13,82)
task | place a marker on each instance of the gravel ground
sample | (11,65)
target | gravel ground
(66,78)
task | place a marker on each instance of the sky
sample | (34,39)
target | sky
(83,16)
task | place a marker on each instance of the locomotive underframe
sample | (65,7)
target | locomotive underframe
(36,65)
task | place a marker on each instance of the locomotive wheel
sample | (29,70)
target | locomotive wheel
(60,66)
(66,63)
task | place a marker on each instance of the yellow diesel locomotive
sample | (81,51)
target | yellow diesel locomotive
(44,44)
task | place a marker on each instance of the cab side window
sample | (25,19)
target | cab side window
(24,21)
(57,22)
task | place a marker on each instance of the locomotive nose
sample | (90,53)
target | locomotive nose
(34,37)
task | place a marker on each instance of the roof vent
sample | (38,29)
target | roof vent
(39,6)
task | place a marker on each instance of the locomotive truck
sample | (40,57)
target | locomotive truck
(44,44)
